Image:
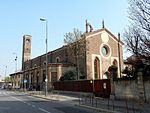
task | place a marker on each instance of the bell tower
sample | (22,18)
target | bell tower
(26,52)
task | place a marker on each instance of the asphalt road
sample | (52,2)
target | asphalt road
(15,102)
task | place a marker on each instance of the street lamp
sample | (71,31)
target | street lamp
(46,79)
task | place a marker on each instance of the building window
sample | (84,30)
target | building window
(44,63)
(32,79)
(105,50)
(35,66)
(115,63)
(96,68)
(44,75)
(57,60)
(27,68)
(28,41)
(54,77)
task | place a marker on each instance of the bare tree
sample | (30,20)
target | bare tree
(139,12)
(137,36)
(76,45)
(136,41)
(72,37)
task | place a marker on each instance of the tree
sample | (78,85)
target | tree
(70,74)
(72,37)
(113,71)
(130,73)
(76,47)
(135,41)
(137,35)
(7,79)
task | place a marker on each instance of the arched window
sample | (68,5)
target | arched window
(32,79)
(27,68)
(44,75)
(35,65)
(115,63)
(57,60)
(96,68)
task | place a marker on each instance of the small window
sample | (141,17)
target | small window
(35,65)
(28,40)
(44,63)
(57,60)
(27,67)
(115,63)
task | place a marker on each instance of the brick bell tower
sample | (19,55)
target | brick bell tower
(26,52)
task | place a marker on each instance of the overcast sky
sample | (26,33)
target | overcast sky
(20,17)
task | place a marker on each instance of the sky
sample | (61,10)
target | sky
(21,17)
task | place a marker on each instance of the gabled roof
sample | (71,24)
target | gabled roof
(100,30)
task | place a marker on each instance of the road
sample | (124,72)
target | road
(15,102)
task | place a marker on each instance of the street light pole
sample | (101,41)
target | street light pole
(46,68)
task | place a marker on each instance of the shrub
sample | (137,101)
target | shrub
(70,74)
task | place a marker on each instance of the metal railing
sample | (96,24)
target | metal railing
(122,106)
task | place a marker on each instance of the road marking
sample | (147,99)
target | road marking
(24,102)
(29,104)
(17,99)
(41,109)
(33,106)
(44,110)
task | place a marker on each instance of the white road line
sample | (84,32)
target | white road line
(44,110)
(17,99)
(24,102)
(41,109)
(29,104)
(33,106)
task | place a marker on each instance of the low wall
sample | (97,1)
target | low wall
(128,89)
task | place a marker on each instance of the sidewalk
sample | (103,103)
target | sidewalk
(52,96)
(99,104)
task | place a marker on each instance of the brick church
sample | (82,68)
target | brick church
(97,50)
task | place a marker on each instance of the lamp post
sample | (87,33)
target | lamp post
(46,68)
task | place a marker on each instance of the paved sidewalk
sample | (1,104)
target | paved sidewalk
(99,104)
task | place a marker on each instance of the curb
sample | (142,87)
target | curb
(44,97)
(97,109)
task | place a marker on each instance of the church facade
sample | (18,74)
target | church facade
(91,56)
